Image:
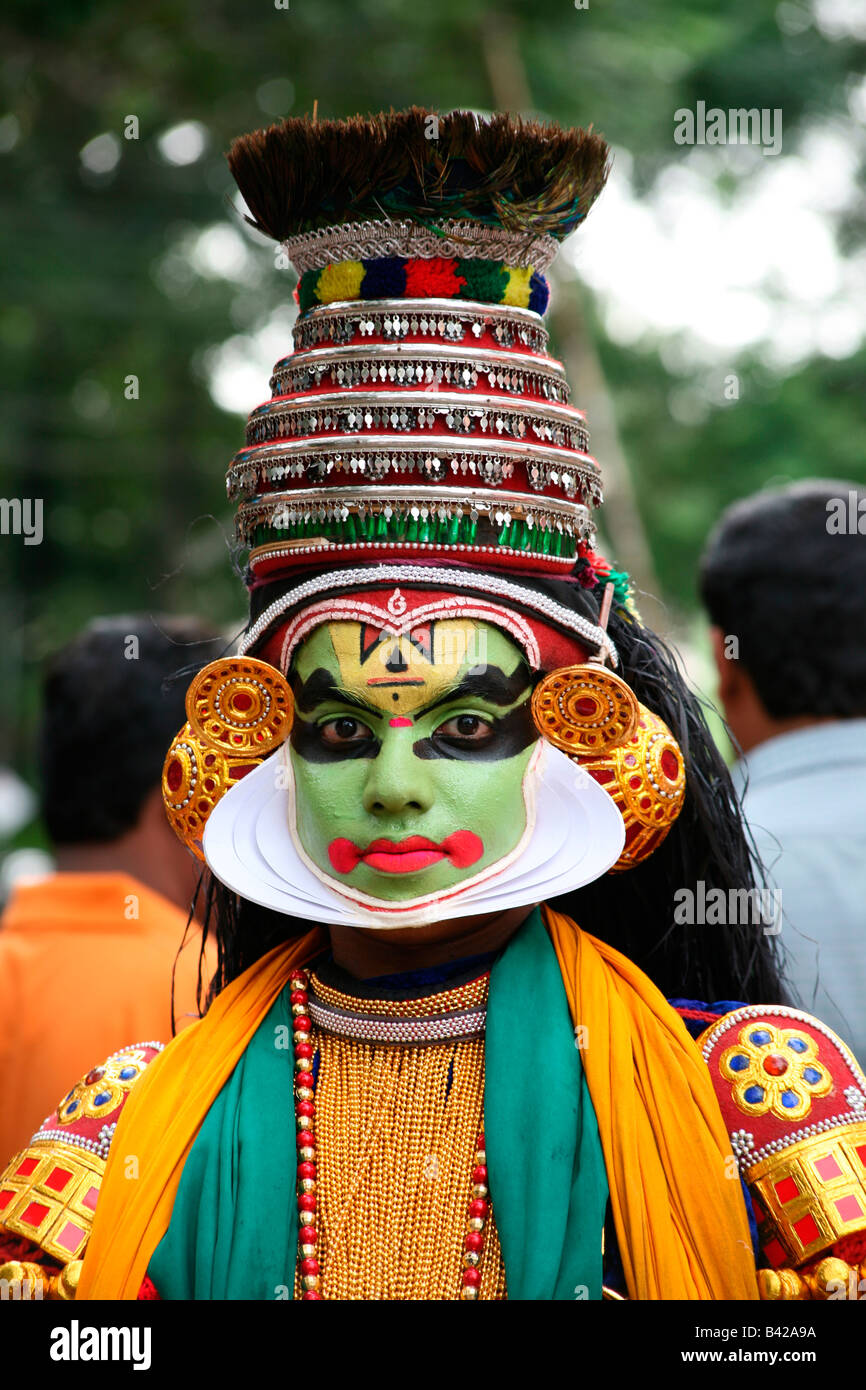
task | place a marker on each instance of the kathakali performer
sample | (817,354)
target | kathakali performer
(446,734)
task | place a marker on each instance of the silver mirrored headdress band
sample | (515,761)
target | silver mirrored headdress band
(358,241)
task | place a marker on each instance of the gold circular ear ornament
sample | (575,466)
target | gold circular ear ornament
(584,709)
(646,777)
(595,717)
(240,704)
(239,711)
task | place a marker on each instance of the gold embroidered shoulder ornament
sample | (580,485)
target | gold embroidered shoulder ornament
(49,1191)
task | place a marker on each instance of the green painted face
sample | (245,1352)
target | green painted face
(409,753)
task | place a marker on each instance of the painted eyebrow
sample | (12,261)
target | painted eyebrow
(491,685)
(321,686)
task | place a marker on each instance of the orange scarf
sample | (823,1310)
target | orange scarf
(680,1220)
(171,1101)
(675,1193)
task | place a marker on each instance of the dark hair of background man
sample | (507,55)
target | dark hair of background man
(794,594)
(109,717)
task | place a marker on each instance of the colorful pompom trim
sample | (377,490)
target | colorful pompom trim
(396,277)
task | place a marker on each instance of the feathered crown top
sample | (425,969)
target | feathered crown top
(524,176)
(420,416)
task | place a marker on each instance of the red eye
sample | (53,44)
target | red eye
(337,733)
(468,728)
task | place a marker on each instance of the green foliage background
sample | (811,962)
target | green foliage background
(94,289)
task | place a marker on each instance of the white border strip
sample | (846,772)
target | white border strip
(418,576)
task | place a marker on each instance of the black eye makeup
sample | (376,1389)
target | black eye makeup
(462,735)
(466,728)
(470,737)
(344,731)
(334,739)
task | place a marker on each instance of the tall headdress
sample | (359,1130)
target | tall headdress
(420,416)
(419,456)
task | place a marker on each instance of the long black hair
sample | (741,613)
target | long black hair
(708,844)
(634,910)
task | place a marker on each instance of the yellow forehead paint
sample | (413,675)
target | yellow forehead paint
(401,674)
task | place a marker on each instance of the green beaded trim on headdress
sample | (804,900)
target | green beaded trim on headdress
(409,530)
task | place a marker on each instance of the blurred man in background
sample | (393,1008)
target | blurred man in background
(783,578)
(87,954)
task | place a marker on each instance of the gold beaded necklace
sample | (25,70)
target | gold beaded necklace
(389,1205)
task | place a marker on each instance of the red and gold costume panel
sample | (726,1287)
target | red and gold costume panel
(794,1101)
(48,1194)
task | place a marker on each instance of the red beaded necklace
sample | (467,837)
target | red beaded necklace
(305,1118)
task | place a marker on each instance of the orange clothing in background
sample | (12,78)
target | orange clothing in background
(85,969)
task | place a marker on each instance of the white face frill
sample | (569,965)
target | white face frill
(574,835)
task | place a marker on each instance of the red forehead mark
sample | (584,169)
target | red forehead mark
(420,636)
(398,722)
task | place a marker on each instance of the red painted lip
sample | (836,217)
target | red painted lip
(407,856)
